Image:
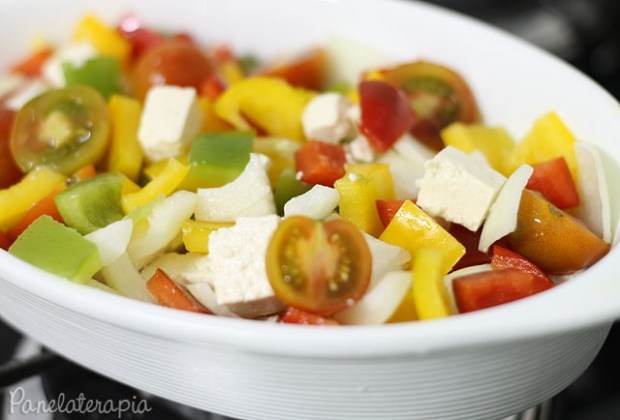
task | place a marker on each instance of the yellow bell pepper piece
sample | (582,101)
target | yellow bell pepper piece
(211,123)
(125,153)
(129,187)
(359,190)
(493,142)
(164,184)
(269,103)
(196,234)
(406,311)
(548,139)
(429,291)
(413,229)
(155,169)
(280,151)
(17,200)
(105,39)
(231,71)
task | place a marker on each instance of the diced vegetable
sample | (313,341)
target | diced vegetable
(122,276)
(504,258)
(100,73)
(31,65)
(317,204)
(320,163)
(58,249)
(169,294)
(105,39)
(287,187)
(112,240)
(45,206)
(125,153)
(412,229)
(387,209)
(282,155)
(92,204)
(470,241)
(385,257)
(9,172)
(309,70)
(5,241)
(17,200)
(196,234)
(429,291)
(297,316)
(553,180)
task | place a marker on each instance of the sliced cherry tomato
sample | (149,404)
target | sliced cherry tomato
(173,62)
(62,129)
(438,96)
(5,241)
(552,239)
(554,181)
(388,208)
(9,172)
(297,316)
(386,114)
(470,241)
(504,258)
(308,70)
(318,267)
(141,38)
(32,65)
(320,163)
(492,288)
(169,294)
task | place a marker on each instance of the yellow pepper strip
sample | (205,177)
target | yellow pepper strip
(105,39)
(548,139)
(406,311)
(196,234)
(231,71)
(429,291)
(129,187)
(280,151)
(269,103)
(155,169)
(124,154)
(359,190)
(211,123)
(17,200)
(165,183)
(494,143)
(412,229)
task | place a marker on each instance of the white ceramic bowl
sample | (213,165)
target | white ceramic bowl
(484,365)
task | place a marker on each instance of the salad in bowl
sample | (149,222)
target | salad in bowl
(315,189)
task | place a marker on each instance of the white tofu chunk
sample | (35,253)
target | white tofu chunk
(237,266)
(25,93)
(317,203)
(325,118)
(169,122)
(76,54)
(249,195)
(458,188)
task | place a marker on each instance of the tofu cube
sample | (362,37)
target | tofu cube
(459,188)
(237,266)
(326,119)
(169,122)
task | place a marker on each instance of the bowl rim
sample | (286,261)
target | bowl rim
(552,312)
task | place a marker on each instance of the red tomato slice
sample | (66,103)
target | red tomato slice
(9,172)
(504,258)
(141,38)
(169,294)
(32,65)
(386,114)
(553,180)
(438,96)
(297,316)
(321,268)
(308,71)
(320,163)
(470,241)
(492,288)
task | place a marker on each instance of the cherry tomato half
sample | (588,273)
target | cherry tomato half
(438,97)
(318,267)
(62,129)
(173,62)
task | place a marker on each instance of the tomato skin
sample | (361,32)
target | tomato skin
(141,38)
(554,181)
(297,316)
(172,62)
(307,71)
(386,114)
(492,288)
(318,267)
(9,172)
(504,258)
(320,163)
(438,96)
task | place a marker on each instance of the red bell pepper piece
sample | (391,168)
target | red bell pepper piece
(554,181)
(320,163)
(169,294)
(31,66)
(504,258)
(297,316)
(5,241)
(307,71)
(470,241)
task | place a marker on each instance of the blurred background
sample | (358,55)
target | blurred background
(585,33)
